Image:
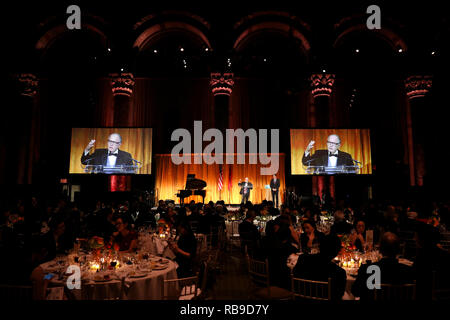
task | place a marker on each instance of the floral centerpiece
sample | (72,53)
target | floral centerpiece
(347,245)
(96,243)
(234,215)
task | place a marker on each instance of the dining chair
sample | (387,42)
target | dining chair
(310,289)
(445,236)
(15,293)
(395,292)
(234,238)
(409,248)
(440,287)
(200,242)
(203,280)
(180,289)
(260,282)
(104,291)
(445,244)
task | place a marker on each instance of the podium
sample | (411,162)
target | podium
(122,169)
(354,169)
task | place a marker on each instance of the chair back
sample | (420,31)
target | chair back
(395,292)
(204,278)
(441,287)
(310,289)
(180,289)
(201,238)
(194,225)
(409,248)
(258,272)
(445,236)
(445,244)
(15,293)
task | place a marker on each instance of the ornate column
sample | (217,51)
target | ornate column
(122,88)
(417,87)
(221,87)
(28,128)
(321,89)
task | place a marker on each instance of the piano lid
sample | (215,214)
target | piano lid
(192,183)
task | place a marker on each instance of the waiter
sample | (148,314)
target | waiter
(245,190)
(274,187)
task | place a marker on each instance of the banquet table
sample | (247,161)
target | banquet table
(138,284)
(350,273)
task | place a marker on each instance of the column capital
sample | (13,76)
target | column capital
(418,86)
(28,84)
(122,83)
(322,84)
(221,83)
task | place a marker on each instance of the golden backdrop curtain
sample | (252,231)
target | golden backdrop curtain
(356,142)
(137,141)
(171,177)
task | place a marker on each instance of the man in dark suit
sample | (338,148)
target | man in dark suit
(392,272)
(320,267)
(274,187)
(110,157)
(332,157)
(245,190)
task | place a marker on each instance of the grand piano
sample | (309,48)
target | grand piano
(194,187)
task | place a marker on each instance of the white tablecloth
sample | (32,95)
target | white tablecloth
(144,288)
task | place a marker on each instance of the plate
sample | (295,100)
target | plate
(138,275)
(160,267)
(102,280)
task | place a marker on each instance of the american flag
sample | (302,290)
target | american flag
(220,183)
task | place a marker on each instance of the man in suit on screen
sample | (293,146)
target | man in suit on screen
(108,158)
(332,157)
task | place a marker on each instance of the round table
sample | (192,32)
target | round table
(143,288)
(350,273)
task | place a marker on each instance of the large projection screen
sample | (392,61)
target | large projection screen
(354,143)
(133,155)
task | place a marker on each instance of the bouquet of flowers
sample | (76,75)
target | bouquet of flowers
(96,243)
(347,245)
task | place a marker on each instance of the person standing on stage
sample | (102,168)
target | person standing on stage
(245,189)
(274,187)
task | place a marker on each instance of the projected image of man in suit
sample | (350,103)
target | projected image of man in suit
(332,157)
(110,157)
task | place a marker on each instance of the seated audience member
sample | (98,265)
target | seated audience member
(320,266)
(108,224)
(392,272)
(391,223)
(285,219)
(311,237)
(358,238)
(430,258)
(185,250)
(54,241)
(249,233)
(340,226)
(125,237)
(277,255)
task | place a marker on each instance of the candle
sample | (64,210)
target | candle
(95,266)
